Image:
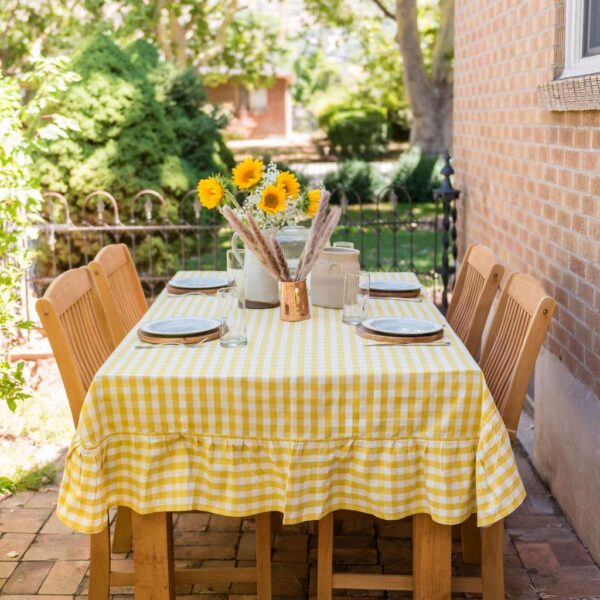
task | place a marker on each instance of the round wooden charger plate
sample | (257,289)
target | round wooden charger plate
(378,294)
(398,339)
(184,291)
(195,339)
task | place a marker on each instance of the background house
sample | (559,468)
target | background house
(257,113)
(527,158)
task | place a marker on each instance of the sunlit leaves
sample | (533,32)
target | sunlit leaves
(25,127)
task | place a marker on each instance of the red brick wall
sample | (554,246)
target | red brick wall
(530,178)
(274,121)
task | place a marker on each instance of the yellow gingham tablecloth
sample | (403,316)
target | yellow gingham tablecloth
(305,420)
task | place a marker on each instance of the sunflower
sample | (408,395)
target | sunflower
(210,192)
(272,200)
(248,173)
(314,198)
(287,181)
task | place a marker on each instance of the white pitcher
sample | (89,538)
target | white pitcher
(261,288)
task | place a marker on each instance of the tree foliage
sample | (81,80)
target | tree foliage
(383,83)
(314,74)
(142,125)
(219,36)
(25,129)
(423,33)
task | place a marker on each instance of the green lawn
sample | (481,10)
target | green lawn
(384,245)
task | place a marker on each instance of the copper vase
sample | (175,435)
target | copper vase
(294,301)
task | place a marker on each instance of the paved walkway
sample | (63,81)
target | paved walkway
(40,559)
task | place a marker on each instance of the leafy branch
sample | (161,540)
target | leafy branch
(25,127)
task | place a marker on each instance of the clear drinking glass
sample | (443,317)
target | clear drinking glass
(343,244)
(232,307)
(356,293)
(235,268)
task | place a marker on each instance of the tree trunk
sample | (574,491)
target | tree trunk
(431,127)
(430,97)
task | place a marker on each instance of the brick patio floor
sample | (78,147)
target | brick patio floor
(40,559)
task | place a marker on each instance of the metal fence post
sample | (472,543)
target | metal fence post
(448,196)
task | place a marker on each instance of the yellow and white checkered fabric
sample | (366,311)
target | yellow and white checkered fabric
(304,420)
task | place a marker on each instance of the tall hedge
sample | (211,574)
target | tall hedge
(142,125)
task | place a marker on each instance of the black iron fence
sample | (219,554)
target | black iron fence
(392,232)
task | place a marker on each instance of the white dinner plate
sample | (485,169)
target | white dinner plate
(180,326)
(394,286)
(402,327)
(199,283)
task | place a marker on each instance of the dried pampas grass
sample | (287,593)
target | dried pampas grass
(268,250)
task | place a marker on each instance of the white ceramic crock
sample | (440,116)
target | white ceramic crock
(327,276)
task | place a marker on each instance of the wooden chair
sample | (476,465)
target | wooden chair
(476,285)
(77,327)
(124,304)
(119,286)
(507,360)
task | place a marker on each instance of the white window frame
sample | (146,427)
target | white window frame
(577,65)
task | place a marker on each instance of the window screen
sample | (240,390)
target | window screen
(591,30)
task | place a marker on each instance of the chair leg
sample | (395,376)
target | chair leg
(492,561)
(153,556)
(325,559)
(432,559)
(263,556)
(471,541)
(122,535)
(99,585)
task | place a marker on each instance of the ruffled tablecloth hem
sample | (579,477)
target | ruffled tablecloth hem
(305,480)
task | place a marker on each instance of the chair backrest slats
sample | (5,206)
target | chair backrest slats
(77,329)
(513,343)
(120,289)
(476,286)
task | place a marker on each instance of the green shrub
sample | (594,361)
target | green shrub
(358,176)
(419,174)
(355,130)
(142,125)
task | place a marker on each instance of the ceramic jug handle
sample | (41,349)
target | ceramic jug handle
(234,247)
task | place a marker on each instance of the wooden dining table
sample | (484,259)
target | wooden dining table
(307,419)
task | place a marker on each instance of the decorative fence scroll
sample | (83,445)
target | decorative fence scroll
(392,232)
(161,243)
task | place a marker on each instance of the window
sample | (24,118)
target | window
(258,100)
(591,29)
(582,39)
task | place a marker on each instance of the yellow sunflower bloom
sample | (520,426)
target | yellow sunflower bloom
(288,182)
(314,198)
(210,192)
(272,200)
(248,173)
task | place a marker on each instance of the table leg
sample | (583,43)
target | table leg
(471,541)
(99,586)
(492,561)
(432,559)
(122,536)
(153,556)
(263,556)
(325,558)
